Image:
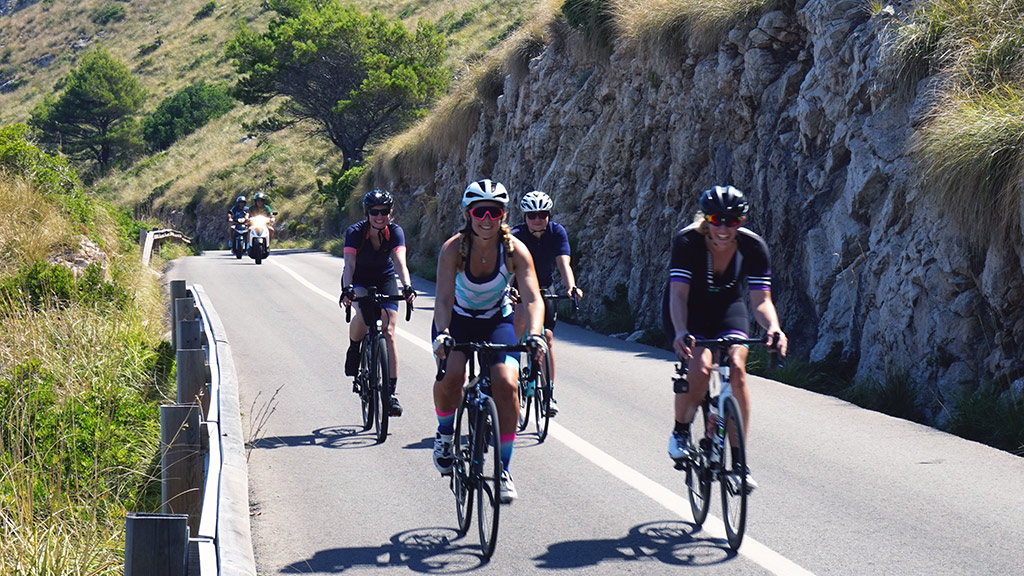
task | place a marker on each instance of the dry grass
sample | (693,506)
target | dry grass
(701,24)
(32,226)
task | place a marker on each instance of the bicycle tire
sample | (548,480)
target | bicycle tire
(733,476)
(542,399)
(462,485)
(698,472)
(525,399)
(382,387)
(367,399)
(487,439)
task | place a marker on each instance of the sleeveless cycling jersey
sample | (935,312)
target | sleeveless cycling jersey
(484,297)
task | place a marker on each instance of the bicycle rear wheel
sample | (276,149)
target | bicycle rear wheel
(525,399)
(382,387)
(542,399)
(462,485)
(698,473)
(367,397)
(734,476)
(487,467)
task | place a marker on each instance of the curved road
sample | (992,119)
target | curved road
(843,490)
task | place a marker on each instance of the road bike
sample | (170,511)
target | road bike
(535,386)
(373,382)
(711,458)
(476,443)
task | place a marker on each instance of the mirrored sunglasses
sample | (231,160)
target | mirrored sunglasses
(379,211)
(724,220)
(537,215)
(490,212)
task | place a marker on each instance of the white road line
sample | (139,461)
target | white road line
(415,340)
(673,502)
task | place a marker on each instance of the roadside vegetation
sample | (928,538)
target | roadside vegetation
(83,369)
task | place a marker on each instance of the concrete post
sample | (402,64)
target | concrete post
(181,461)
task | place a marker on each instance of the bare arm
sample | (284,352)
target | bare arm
(347,273)
(768,318)
(447,267)
(402,268)
(565,269)
(529,289)
(679,296)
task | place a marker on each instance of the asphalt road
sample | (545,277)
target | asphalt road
(842,490)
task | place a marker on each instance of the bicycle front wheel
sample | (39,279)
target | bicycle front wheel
(525,398)
(733,476)
(698,473)
(367,397)
(462,485)
(542,399)
(382,386)
(487,466)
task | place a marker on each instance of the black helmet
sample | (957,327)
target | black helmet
(378,198)
(259,196)
(723,200)
(240,200)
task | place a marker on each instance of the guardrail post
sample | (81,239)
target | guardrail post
(177,291)
(156,544)
(193,375)
(181,461)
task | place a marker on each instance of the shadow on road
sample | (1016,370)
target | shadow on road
(341,437)
(426,550)
(669,542)
(443,551)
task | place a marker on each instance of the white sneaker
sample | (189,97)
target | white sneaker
(443,456)
(679,445)
(508,488)
(751,483)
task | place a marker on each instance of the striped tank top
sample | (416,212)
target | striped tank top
(484,297)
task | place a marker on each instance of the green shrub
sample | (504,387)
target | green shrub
(206,11)
(987,416)
(19,156)
(42,286)
(106,14)
(341,186)
(185,112)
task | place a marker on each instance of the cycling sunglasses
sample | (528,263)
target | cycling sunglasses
(724,220)
(379,211)
(490,212)
(537,215)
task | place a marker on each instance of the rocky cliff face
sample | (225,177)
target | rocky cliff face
(794,110)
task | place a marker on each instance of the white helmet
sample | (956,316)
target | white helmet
(536,201)
(485,189)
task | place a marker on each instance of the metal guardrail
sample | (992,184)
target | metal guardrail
(148,239)
(204,482)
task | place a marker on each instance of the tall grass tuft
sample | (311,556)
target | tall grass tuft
(701,24)
(969,146)
(972,152)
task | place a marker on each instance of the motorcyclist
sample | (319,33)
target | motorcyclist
(236,213)
(261,207)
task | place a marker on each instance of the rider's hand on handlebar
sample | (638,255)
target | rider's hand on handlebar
(442,344)
(409,293)
(777,339)
(348,294)
(575,291)
(683,345)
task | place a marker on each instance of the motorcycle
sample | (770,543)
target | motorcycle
(259,238)
(240,237)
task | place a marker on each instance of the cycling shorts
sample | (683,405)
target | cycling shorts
(497,330)
(385,285)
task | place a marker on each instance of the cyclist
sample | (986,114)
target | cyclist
(374,250)
(713,259)
(473,304)
(549,246)
(237,211)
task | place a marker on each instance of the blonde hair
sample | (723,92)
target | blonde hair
(702,223)
(466,241)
